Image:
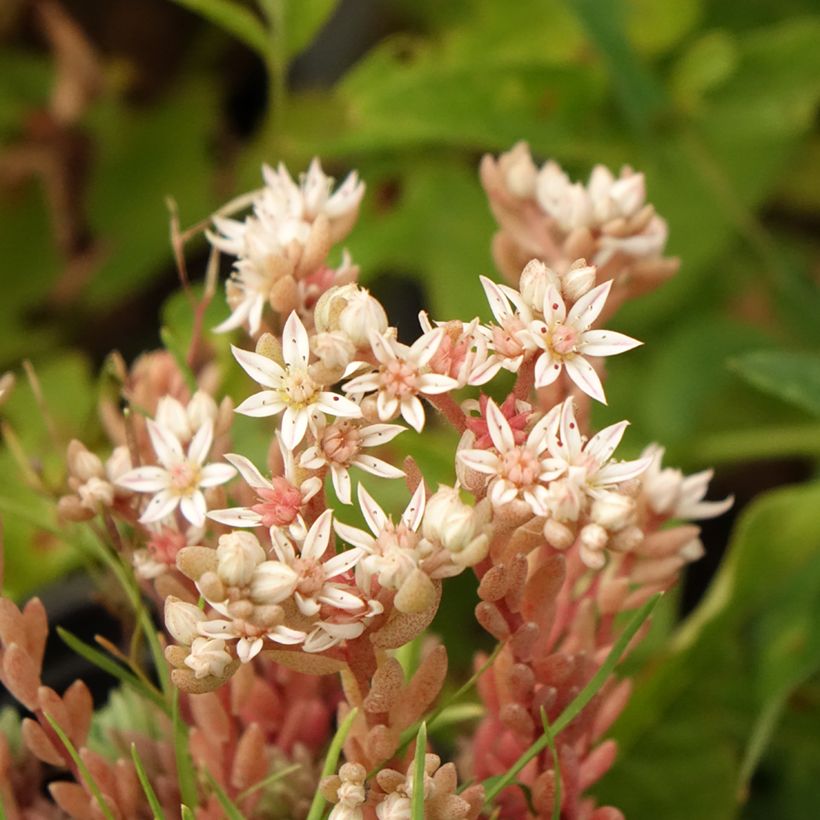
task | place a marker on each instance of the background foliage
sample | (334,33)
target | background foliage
(107,112)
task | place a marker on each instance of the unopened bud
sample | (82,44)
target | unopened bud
(71,508)
(82,463)
(201,408)
(362,315)
(628,194)
(448,520)
(578,280)
(535,279)
(612,510)
(594,537)
(239,553)
(171,414)
(558,535)
(182,619)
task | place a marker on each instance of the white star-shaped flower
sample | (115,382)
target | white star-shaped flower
(180,477)
(516,470)
(402,376)
(567,340)
(291,388)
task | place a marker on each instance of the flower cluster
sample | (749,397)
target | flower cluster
(283,558)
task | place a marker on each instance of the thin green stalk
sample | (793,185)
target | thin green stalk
(277,65)
(417,800)
(331,759)
(81,767)
(185,767)
(268,781)
(494,786)
(228,806)
(556,765)
(147,788)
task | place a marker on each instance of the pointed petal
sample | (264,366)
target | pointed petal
(499,428)
(337,405)
(295,344)
(341,483)
(617,471)
(193,507)
(146,479)
(587,309)
(286,635)
(248,471)
(373,514)
(354,536)
(425,347)
(498,304)
(201,443)
(342,562)
(318,537)
(412,412)
(375,466)
(236,517)
(569,430)
(483,461)
(603,444)
(166,444)
(162,504)
(381,347)
(307,606)
(264,403)
(213,475)
(584,375)
(375,434)
(554,308)
(293,426)
(435,383)
(386,406)
(340,598)
(547,369)
(261,369)
(248,648)
(606,343)
(414,511)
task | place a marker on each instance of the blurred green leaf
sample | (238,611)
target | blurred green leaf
(750,642)
(233,18)
(302,21)
(707,63)
(655,26)
(25,86)
(790,375)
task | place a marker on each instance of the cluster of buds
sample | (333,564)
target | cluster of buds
(277,569)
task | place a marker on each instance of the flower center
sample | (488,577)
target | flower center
(341,442)
(279,505)
(311,576)
(184,477)
(297,388)
(564,339)
(520,467)
(398,378)
(165,545)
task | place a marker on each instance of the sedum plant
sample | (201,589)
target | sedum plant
(291,600)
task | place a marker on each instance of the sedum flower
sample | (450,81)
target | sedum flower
(208,657)
(338,447)
(673,495)
(517,471)
(180,477)
(352,311)
(587,468)
(292,391)
(402,376)
(184,420)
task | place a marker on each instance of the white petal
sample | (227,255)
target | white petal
(414,511)
(381,347)
(212,475)
(354,536)
(286,635)
(547,369)
(342,562)
(584,375)
(554,308)
(201,443)
(337,405)
(340,598)
(603,444)
(375,466)
(502,492)
(295,344)
(307,606)
(236,517)
(498,304)
(264,403)
(707,509)
(318,537)
(569,431)
(248,648)
(362,384)
(425,347)
(434,383)
(237,318)
(386,406)
(375,434)
(606,343)
(481,460)
(145,479)
(319,641)
(587,309)
(293,427)
(166,444)
(341,483)
(193,507)
(261,369)
(248,471)
(412,411)
(373,513)
(617,471)
(162,504)
(499,428)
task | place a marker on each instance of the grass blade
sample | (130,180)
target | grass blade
(230,808)
(269,781)
(185,813)
(185,767)
(147,788)
(233,18)
(331,759)
(556,765)
(494,786)
(417,801)
(81,767)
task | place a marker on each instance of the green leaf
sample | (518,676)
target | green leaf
(331,759)
(86,775)
(303,20)
(576,706)
(707,706)
(147,788)
(231,810)
(419,772)
(186,774)
(790,375)
(233,18)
